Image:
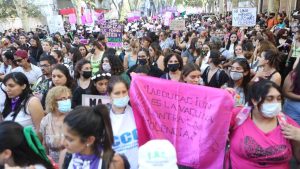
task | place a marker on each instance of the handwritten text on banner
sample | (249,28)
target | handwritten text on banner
(195,119)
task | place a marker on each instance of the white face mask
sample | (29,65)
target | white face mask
(270,110)
(236,75)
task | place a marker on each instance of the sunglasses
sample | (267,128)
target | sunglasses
(18,60)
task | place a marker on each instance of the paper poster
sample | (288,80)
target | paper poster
(177,25)
(55,24)
(93,100)
(244,17)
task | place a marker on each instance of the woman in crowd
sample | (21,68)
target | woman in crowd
(131,57)
(61,77)
(58,103)
(74,56)
(100,83)
(291,89)
(112,64)
(122,120)
(58,55)
(95,56)
(144,59)
(188,54)
(83,50)
(204,57)
(89,138)
(268,62)
(156,55)
(191,74)
(174,64)
(186,41)
(19,147)
(20,105)
(214,76)
(83,74)
(231,43)
(239,80)
(35,49)
(294,52)
(238,51)
(257,141)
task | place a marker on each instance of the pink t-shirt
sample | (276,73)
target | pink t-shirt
(251,148)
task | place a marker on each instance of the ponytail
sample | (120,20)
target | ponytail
(93,121)
(107,139)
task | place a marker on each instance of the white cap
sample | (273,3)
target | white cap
(158,154)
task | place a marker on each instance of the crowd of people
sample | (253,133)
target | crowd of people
(43,78)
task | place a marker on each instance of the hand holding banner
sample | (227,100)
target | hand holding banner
(195,119)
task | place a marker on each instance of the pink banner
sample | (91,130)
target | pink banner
(195,119)
(89,18)
(83,19)
(72,18)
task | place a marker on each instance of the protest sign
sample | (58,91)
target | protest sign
(72,18)
(55,24)
(93,100)
(195,119)
(100,18)
(113,31)
(177,25)
(244,17)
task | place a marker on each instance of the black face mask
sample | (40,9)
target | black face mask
(92,51)
(142,61)
(173,67)
(87,74)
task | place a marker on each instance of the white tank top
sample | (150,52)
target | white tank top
(22,118)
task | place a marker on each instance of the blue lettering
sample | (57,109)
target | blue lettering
(126,138)
(116,141)
(135,135)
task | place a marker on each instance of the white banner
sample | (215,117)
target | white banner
(244,17)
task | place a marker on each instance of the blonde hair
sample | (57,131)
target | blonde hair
(51,104)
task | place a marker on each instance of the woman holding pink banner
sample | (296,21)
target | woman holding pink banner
(174,64)
(256,139)
(122,120)
(191,74)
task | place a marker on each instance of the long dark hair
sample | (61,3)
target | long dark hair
(93,121)
(117,67)
(100,75)
(20,79)
(157,50)
(246,79)
(79,66)
(12,138)
(229,41)
(273,57)
(258,91)
(296,78)
(76,55)
(114,80)
(64,70)
(187,69)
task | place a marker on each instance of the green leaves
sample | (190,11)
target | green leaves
(8,9)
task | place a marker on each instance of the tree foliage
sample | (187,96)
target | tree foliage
(9,10)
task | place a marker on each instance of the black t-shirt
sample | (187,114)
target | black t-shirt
(77,95)
(217,80)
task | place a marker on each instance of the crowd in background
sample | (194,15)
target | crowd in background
(43,78)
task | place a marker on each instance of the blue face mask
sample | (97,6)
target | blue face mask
(121,102)
(64,106)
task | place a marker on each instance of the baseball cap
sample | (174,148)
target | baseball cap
(158,154)
(21,53)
